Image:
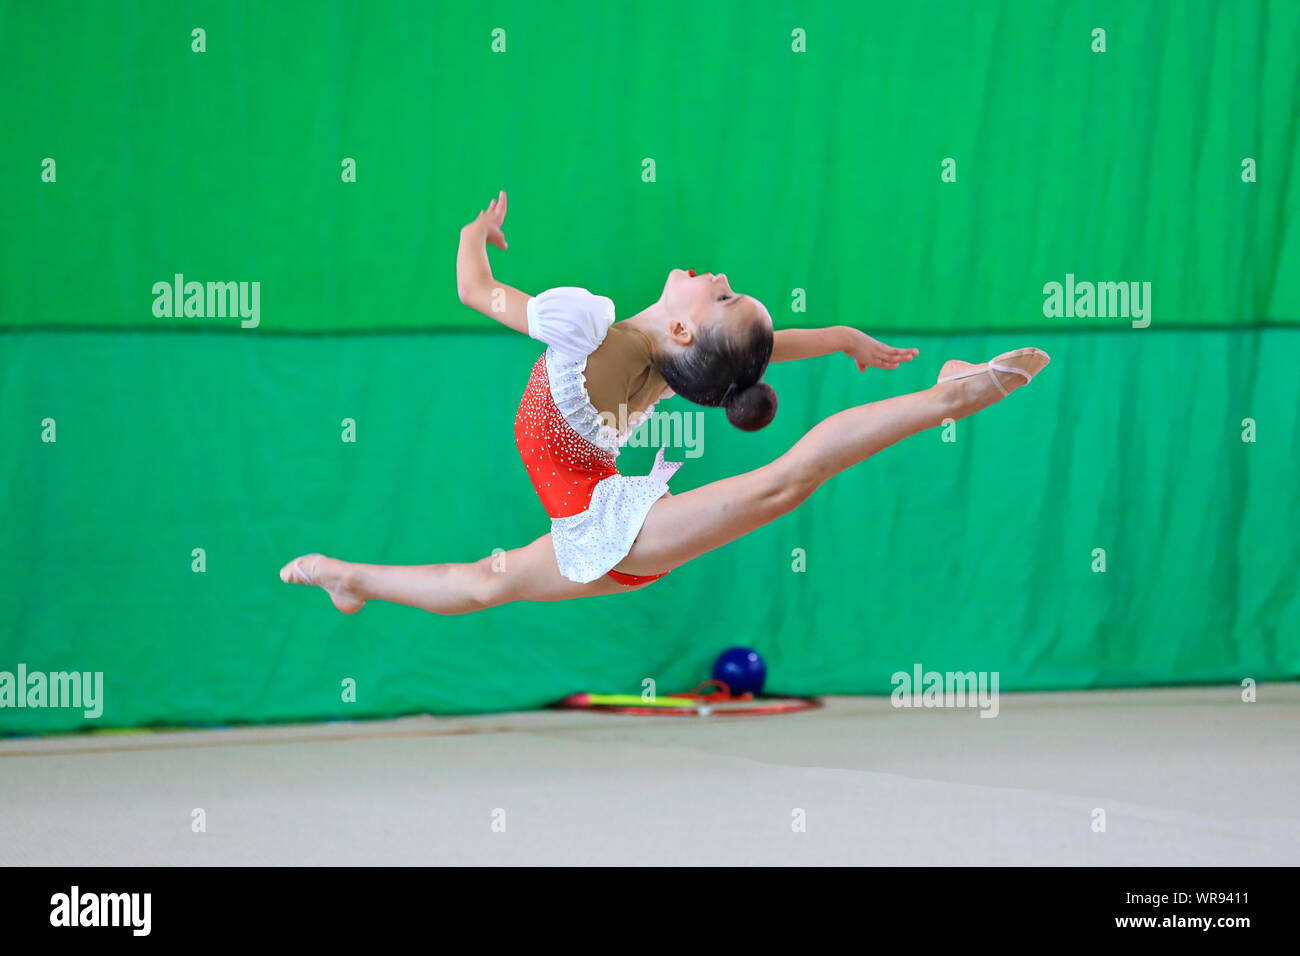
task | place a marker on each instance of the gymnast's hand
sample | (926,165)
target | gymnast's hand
(871,353)
(492,219)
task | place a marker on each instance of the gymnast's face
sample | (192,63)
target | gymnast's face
(698,301)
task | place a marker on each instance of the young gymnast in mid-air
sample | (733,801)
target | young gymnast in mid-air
(596,381)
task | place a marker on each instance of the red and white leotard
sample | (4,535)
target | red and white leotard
(570,451)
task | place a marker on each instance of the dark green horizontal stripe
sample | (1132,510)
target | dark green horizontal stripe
(967,555)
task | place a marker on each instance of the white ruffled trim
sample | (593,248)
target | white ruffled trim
(568,381)
(589,545)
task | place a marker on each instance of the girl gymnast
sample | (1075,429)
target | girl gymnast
(612,533)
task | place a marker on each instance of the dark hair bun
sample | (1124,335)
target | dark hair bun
(752,408)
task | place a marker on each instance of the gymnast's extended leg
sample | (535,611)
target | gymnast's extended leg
(695,522)
(529,573)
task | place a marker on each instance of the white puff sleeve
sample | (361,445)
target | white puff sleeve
(572,321)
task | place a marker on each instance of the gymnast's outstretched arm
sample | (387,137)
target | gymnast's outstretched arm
(791,345)
(475,283)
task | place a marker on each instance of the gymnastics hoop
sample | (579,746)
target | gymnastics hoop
(716,702)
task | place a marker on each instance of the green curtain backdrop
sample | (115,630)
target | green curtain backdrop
(816,170)
(812,178)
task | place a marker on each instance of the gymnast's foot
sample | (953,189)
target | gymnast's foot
(328,573)
(974,387)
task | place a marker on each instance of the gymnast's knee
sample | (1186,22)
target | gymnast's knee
(785,486)
(490,584)
(478,587)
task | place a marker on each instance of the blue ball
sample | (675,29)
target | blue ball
(741,669)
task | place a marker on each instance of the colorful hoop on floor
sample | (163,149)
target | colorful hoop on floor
(716,701)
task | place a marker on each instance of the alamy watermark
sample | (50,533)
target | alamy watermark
(922,688)
(75,689)
(129,910)
(1102,300)
(211,300)
(675,429)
